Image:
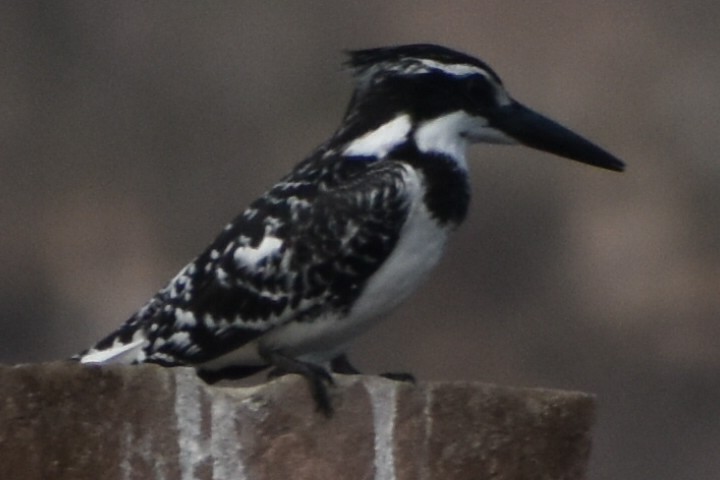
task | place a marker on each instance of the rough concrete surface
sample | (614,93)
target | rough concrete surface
(64,421)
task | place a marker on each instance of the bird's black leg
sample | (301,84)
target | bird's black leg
(317,377)
(342,365)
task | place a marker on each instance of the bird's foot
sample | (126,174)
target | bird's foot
(317,377)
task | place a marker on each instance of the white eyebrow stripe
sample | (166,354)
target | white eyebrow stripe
(464,70)
(460,70)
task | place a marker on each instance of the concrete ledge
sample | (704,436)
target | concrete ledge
(64,421)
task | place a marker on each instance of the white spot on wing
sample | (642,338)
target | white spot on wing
(250,257)
(380,141)
(183,318)
(222,277)
(181,339)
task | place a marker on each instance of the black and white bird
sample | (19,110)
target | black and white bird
(348,234)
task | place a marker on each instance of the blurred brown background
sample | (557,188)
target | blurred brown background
(131,133)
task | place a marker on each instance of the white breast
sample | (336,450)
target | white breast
(419,249)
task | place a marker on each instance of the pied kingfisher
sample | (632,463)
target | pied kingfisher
(348,234)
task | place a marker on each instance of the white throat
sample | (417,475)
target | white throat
(446,135)
(450,135)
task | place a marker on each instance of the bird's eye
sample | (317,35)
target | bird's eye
(478,85)
(480,91)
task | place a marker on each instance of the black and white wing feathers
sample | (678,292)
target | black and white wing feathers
(304,249)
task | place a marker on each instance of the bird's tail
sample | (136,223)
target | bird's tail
(117,348)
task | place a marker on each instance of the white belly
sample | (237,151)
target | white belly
(419,249)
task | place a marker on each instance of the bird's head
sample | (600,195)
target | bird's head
(444,100)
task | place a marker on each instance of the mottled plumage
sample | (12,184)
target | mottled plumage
(348,233)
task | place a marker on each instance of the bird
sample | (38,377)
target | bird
(348,234)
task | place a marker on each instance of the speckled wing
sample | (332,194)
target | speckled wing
(304,249)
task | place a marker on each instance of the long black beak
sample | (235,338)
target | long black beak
(537,131)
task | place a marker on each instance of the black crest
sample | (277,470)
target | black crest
(401,59)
